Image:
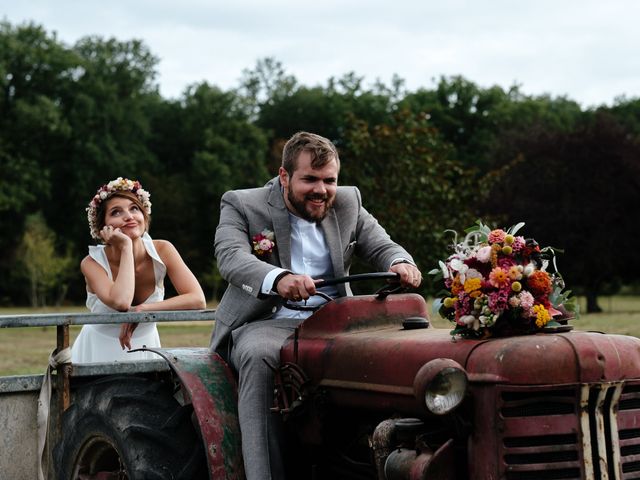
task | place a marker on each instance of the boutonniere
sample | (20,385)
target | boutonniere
(263,242)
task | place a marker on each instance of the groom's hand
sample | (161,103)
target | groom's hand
(410,276)
(296,287)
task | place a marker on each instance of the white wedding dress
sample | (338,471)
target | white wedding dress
(99,343)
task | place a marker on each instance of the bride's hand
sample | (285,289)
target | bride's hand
(114,236)
(126,332)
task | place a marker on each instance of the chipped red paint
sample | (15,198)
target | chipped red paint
(209,383)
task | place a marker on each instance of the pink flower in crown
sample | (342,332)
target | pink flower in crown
(263,242)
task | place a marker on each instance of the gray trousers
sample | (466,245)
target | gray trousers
(261,429)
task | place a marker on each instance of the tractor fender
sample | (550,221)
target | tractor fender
(208,383)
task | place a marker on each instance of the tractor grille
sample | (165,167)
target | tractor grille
(583,432)
(629,431)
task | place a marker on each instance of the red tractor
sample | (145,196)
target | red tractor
(372,391)
(368,389)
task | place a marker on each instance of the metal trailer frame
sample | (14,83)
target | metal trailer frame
(207,381)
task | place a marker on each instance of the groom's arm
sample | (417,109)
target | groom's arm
(236,261)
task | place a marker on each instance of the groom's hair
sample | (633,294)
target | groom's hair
(321,149)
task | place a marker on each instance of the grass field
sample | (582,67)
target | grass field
(26,350)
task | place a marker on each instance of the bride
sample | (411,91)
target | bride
(126,273)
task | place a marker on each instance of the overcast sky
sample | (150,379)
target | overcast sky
(587,50)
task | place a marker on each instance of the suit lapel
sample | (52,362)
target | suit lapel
(332,237)
(281,228)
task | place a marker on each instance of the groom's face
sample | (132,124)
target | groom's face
(309,193)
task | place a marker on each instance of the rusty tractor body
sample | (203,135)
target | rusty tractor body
(366,388)
(379,397)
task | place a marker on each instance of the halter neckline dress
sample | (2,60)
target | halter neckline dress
(99,343)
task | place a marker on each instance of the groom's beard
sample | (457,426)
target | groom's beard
(307,211)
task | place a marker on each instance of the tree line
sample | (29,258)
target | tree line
(73,117)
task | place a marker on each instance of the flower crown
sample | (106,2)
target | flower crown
(105,191)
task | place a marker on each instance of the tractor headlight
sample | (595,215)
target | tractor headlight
(441,384)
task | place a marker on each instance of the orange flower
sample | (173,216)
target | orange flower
(498,277)
(539,283)
(515,272)
(456,286)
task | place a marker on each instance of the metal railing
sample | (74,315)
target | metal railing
(62,322)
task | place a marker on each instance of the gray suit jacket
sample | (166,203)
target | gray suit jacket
(348,229)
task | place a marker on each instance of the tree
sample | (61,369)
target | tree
(466,115)
(281,107)
(46,270)
(35,71)
(410,182)
(627,111)
(474,119)
(266,83)
(205,145)
(574,189)
(107,110)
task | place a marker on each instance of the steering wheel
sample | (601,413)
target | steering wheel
(393,278)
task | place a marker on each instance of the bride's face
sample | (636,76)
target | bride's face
(125,214)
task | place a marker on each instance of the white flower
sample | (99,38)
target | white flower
(529,269)
(470,321)
(473,273)
(484,254)
(459,266)
(443,267)
(467,319)
(265,244)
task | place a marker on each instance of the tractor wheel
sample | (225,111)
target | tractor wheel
(129,428)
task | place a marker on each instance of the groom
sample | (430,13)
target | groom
(272,243)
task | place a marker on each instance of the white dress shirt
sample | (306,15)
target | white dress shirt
(309,256)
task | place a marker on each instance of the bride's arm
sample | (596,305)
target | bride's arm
(116,294)
(190,295)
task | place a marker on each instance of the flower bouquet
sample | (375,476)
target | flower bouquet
(497,284)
